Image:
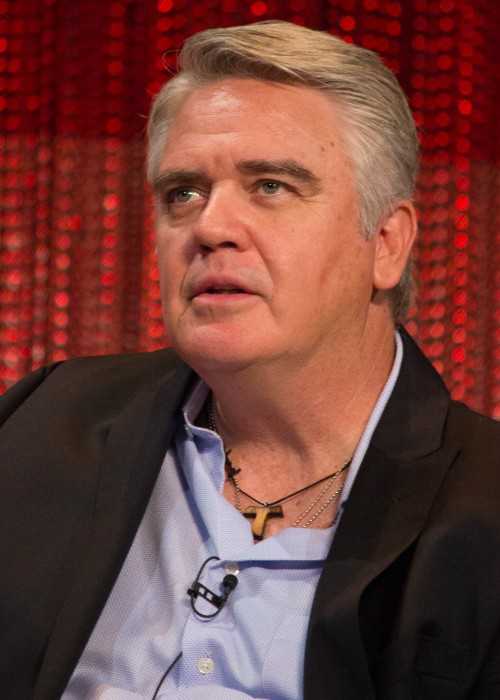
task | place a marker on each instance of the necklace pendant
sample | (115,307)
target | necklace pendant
(259,516)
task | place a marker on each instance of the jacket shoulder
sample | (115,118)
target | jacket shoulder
(474,432)
(470,495)
(87,380)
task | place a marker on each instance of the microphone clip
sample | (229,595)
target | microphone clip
(198,590)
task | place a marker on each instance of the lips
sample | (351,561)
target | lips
(218,285)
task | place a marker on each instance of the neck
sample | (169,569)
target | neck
(307,418)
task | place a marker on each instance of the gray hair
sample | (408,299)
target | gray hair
(380,135)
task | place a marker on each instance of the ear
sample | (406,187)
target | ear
(393,245)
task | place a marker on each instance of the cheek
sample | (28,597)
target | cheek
(343,272)
(171,271)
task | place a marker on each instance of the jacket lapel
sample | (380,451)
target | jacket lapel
(132,457)
(387,509)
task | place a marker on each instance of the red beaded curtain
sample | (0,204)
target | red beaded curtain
(76,252)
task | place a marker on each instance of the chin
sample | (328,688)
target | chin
(209,361)
(209,352)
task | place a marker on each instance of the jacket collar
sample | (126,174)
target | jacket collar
(413,421)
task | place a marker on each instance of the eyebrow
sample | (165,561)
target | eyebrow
(288,167)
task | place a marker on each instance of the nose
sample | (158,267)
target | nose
(221,223)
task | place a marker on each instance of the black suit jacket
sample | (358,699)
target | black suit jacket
(408,604)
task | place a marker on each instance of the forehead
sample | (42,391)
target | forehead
(249,118)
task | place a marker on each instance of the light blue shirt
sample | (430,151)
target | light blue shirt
(254,648)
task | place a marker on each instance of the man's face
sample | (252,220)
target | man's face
(260,253)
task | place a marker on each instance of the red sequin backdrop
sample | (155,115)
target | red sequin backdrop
(76,253)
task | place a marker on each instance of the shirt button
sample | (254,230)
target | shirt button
(205,665)
(232,568)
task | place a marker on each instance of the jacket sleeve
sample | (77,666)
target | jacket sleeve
(17,394)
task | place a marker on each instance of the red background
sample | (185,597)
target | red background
(76,252)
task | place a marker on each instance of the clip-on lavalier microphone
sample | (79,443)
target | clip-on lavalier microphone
(197,589)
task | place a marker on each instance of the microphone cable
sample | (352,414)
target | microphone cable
(166,674)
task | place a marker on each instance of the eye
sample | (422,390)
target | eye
(270,187)
(182,195)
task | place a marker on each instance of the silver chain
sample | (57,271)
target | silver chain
(323,507)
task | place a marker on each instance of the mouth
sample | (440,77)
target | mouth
(224,296)
(213,294)
(214,291)
(212,287)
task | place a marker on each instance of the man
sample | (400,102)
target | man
(296,463)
